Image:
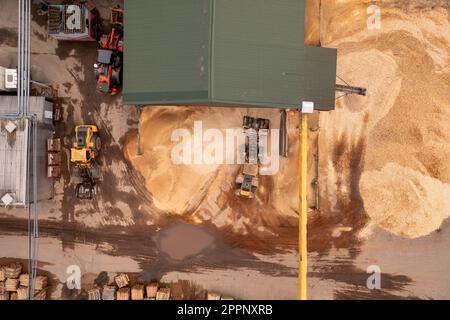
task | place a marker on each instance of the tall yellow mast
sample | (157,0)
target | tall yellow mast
(303,210)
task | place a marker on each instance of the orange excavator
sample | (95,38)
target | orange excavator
(108,69)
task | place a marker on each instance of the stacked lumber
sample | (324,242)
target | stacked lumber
(2,274)
(11,284)
(24,280)
(213,296)
(163,294)
(122,280)
(152,289)
(13,270)
(13,296)
(40,283)
(137,292)
(123,293)
(22,293)
(109,293)
(122,289)
(94,294)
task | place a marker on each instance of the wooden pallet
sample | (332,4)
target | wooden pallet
(54,145)
(109,293)
(11,284)
(40,283)
(163,294)
(94,294)
(13,270)
(24,280)
(152,289)
(137,292)
(22,293)
(122,280)
(40,295)
(123,293)
(4,295)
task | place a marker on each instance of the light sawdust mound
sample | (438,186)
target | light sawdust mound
(403,121)
(404,201)
(174,187)
(206,192)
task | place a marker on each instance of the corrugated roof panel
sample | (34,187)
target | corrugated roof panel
(166,50)
(257,45)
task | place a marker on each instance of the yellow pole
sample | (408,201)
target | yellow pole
(303,213)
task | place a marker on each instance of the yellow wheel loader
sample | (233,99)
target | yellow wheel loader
(86,145)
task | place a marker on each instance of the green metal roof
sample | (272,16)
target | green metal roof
(224,52)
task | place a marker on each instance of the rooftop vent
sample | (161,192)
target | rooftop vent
(10,127)
(7,199)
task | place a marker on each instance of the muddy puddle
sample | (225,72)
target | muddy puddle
(182,240)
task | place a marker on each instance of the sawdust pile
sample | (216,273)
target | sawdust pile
(384,156)
(415,199)
(206,192)
(389,151)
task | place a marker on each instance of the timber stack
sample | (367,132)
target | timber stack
(14,285)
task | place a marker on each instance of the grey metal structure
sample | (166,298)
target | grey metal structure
(38,107)
(16,149)
(224,52)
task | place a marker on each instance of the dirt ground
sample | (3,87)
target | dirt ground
(379,162)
